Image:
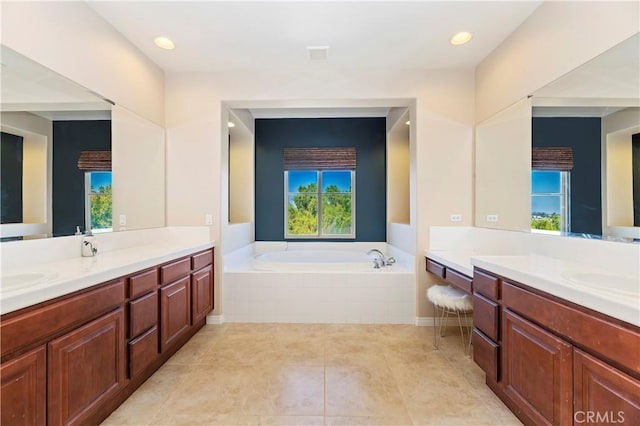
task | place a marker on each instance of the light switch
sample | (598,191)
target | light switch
(123,219)
(208,219)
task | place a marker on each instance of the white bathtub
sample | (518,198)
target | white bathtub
(313,260)
(317,283)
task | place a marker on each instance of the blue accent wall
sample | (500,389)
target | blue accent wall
(367,135)
(635,161)
(69,139)
(583,135)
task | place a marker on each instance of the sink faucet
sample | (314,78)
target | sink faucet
(89,245)
(380,260)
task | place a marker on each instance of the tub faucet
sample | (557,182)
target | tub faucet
(379,260)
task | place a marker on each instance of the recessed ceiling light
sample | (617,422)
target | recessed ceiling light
(230,124)
(164,43)
(408,122)
(460,38)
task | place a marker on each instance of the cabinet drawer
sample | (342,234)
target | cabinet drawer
(486,285)
(36,325)
(458,280)
(201,260)
(486,316)
(175,270)
(435,268)
(485,354)
(143,350)
(143,313)
(143,283)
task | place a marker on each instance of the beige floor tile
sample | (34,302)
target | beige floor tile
(315,374)
(369,421)
(292,420)
(362,392)
(287,390)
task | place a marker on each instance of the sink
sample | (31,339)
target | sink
(16,281)
(604,282)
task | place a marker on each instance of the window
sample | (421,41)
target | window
(99,201)
(550,200)
(319,203)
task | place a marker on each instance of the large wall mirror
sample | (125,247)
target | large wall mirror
(71,159)
(565,159)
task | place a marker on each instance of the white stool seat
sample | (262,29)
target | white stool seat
(450,298)
(450,301)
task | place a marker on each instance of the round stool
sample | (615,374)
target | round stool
(450,301)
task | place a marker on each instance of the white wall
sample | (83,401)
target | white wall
(617,170)
(558,37)
(73,40)
(443,134)
(138,166)
(37,133)
(398,171)
(503,169)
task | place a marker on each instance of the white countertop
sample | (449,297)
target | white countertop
(593,287)
(69,275)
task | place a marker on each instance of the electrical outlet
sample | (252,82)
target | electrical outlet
(123,220)
(208,219)
(456,218)
(492,218)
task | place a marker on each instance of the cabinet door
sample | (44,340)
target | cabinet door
(23,395)
(202,293)
(537,371)
(86,368)
(604,394)
(175,308)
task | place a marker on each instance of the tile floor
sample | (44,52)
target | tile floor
(308,374)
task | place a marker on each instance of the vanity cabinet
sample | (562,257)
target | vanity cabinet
(86,367)
(175,311)
(201,293)
(23,393)
(551,361)
(75,359)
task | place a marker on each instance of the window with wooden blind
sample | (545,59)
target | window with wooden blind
(319,192)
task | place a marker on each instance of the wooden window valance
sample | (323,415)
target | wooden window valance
(560,158)
(94,161)
(319,158)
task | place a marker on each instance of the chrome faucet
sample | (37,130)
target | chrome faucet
(381,260)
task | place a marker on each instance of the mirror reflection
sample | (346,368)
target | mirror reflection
(572,169)
(58,141)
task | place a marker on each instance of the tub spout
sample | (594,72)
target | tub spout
(379,260)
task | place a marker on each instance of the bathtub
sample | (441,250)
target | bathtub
(313,260)
(317,283)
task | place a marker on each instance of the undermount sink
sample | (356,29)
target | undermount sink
(15,281)
(603,282)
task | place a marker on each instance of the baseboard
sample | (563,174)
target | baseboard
(215,319)
(451,321)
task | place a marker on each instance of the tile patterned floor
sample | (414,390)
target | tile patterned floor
(308,374)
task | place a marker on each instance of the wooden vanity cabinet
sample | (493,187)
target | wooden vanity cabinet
(75,359)
(24,388)
(451,276)
(555,362)
(86,367)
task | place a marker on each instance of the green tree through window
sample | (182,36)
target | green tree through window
(319,204)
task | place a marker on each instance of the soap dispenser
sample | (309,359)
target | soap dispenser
(89,245)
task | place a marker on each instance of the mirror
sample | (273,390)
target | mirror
(594,111)
(46,122)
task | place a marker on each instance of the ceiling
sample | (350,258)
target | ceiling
(232,35)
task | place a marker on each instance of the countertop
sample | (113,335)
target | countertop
(54,279)
(590,286)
